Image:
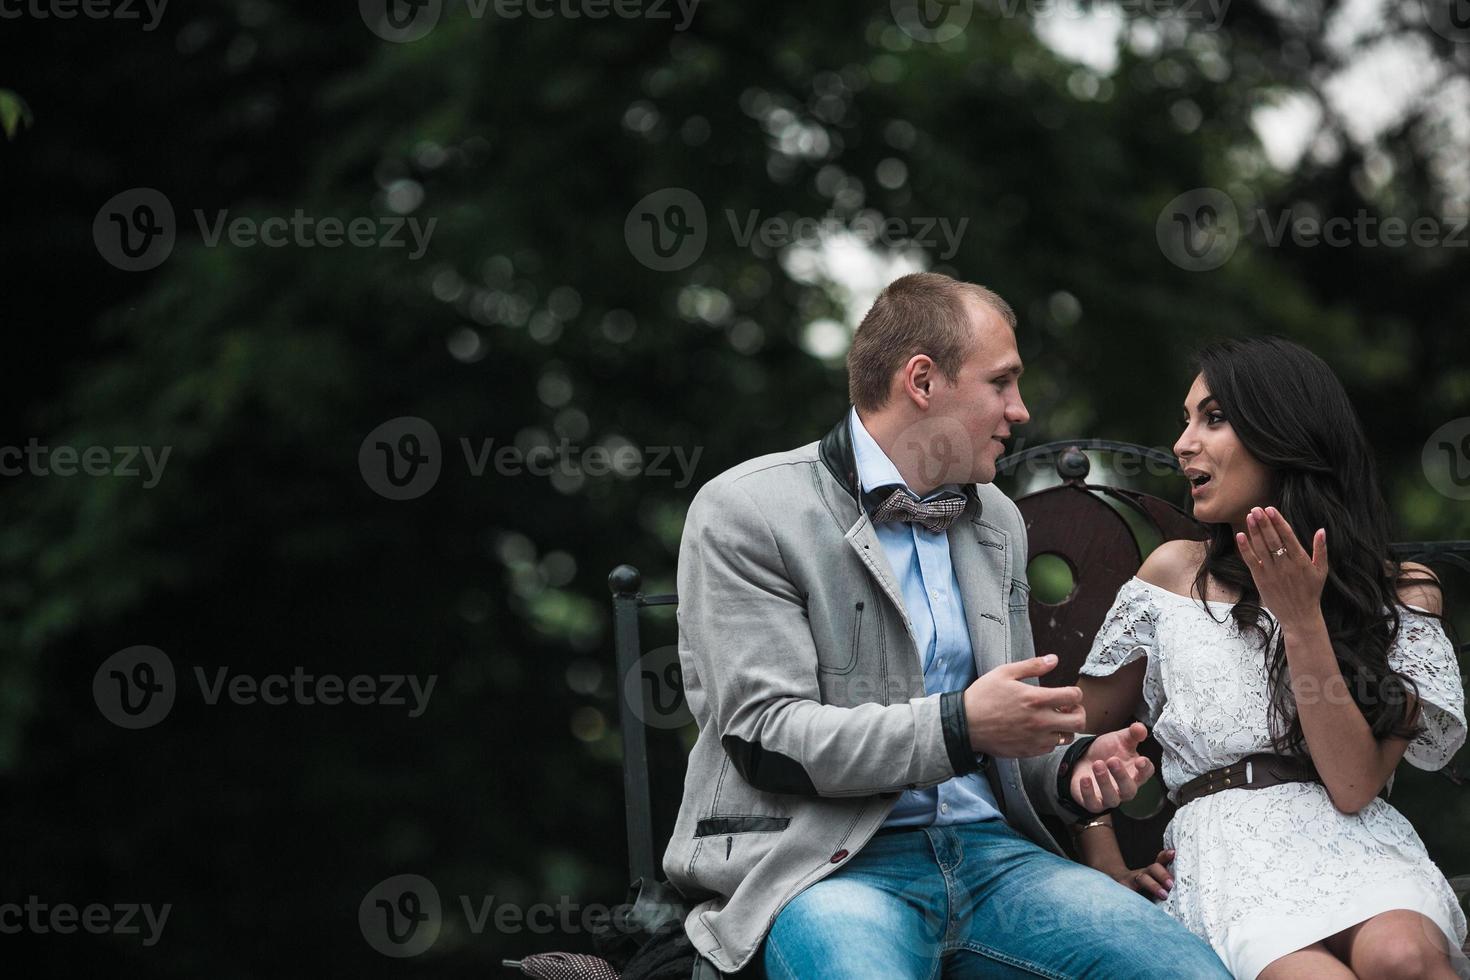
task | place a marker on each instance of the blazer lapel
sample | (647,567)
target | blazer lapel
(836,453)
(982,568)
(864,542)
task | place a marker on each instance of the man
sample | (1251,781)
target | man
(873,744)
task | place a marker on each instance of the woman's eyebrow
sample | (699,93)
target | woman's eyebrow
(1201,406)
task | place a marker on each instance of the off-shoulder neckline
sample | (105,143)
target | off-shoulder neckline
(1175,595)
(1222,602)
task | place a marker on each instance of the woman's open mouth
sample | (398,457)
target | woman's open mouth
(1198,480)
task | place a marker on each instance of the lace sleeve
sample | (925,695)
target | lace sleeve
(1423,653)
(1128,633)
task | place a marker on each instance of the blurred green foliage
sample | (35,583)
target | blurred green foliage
(529,322)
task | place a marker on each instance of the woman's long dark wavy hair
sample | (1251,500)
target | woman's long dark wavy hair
(1291,413)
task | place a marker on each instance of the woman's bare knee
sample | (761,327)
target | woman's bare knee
(1313,962)
(1400,945)
(1401,956)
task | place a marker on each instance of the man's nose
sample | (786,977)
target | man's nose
(1016,412)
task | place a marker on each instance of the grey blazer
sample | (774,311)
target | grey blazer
(802,673)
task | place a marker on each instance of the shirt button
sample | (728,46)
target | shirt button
(837,858)
(944,808)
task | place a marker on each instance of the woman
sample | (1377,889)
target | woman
(1254,646)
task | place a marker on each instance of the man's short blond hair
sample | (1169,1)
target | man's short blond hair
(921,313)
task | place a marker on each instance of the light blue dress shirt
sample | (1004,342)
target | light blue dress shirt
(920,562)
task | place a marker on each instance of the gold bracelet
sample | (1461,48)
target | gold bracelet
(1099,822)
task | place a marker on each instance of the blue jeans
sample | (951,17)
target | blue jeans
(977,900)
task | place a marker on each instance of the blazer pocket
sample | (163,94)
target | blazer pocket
(741,824)
(726,848)
(844,666)
(1020,595)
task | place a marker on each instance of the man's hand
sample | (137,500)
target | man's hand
(1111,770)
(1015,720)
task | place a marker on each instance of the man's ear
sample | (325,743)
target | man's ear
(924,376)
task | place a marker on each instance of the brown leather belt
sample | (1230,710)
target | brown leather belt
(1253,772)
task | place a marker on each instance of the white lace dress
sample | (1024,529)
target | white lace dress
(1261,873)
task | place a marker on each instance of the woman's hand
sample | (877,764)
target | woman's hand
(1153,881)
(1289,580)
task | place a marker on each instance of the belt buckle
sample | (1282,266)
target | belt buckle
(1249,772)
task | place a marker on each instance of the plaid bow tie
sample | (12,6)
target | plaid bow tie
(901,505)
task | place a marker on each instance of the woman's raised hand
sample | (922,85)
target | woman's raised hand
(1289,580)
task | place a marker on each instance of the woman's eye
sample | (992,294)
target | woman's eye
(1216,417)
